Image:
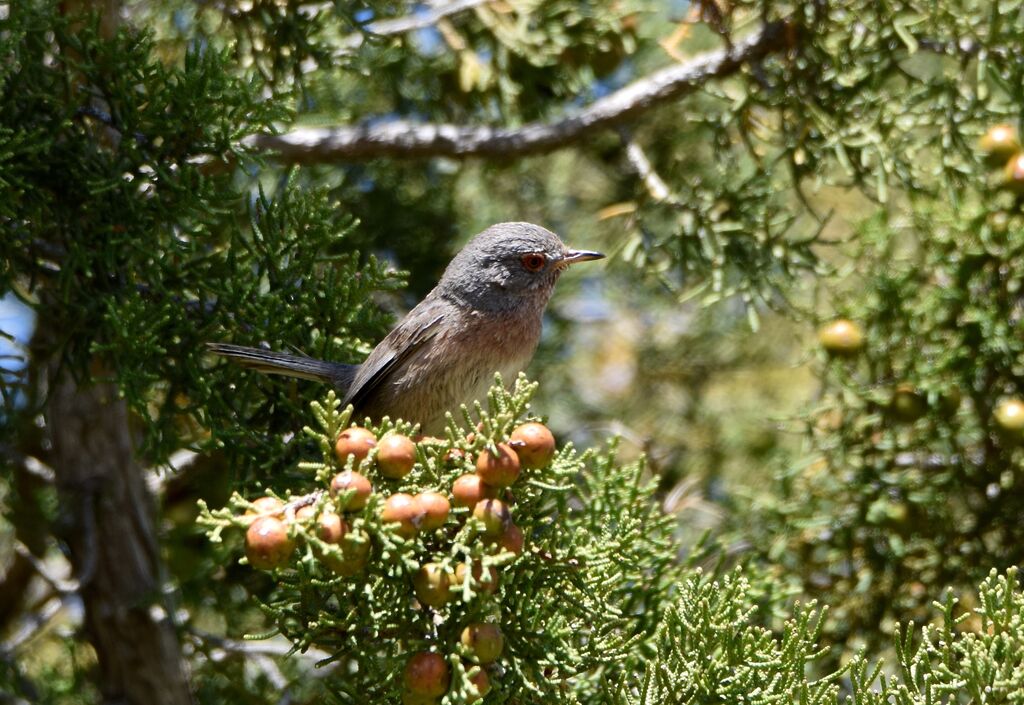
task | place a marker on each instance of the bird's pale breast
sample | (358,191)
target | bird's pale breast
(457,366)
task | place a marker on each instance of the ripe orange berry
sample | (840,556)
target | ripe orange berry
(435,507)
(348,480)
(485,640)
(484,583)
(267,544)
(842,337)
(354,442)
(402,509)
(495,516)
(482,682)
(432,585)
(396,456)
(534,444)
(499,469)
(467,490)
(305,512)
(265,506)
(511,539)
(427,674)
(331,528)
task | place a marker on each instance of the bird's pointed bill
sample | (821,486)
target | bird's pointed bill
(574,256)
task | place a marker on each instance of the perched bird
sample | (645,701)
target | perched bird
(484,316)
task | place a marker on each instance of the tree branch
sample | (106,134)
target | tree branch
(404,139)
(411,23)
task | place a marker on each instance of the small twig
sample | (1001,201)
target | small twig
(656,186)
(59,585)
(278,648)
(36,622)
(411,23)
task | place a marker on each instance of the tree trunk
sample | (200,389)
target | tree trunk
(107,517)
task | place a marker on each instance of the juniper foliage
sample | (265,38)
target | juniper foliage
(592,581)
(911,480)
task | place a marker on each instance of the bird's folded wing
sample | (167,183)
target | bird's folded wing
(391,354)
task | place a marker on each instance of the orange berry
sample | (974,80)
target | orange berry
(495,516)
(427,674)
(396,456)
(482,682)
(534,444)
(267,544)
(432,585)
(348,480)
(305,512)
(485,641)
(402,509)
(435,508)
(467,490)
(265,506)
(498,469)
(331,528)
(511,539)
(354,442)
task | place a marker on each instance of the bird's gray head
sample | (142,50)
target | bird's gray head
(509,265)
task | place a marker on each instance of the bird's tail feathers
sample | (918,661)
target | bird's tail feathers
(275,363)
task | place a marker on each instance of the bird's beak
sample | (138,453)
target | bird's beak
(574,256)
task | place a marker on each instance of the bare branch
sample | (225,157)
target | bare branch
(404,139)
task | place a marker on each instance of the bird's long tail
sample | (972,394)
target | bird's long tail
(338,375)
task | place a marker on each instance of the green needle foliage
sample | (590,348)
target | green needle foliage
(590,584)
(712,650)
(139,222)
(912,478)
(136,245)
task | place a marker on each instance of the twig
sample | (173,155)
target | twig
(266,648)
(38,621)
(404,139)
(411,23)
(656,186)
(59,585)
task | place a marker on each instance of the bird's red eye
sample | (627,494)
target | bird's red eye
(534,262)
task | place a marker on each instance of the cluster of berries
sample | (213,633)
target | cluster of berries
(271,541)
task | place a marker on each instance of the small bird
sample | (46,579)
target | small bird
(484,316)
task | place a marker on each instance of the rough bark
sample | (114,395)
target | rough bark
(107,519)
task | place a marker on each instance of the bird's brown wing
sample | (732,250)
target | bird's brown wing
(391,353)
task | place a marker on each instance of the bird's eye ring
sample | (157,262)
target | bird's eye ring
(534,262)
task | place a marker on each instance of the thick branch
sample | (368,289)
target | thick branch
(403,139)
